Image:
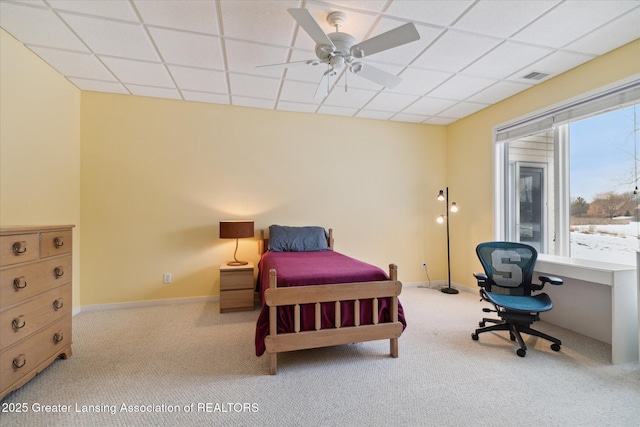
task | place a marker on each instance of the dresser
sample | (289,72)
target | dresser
(236,288)
(35,301)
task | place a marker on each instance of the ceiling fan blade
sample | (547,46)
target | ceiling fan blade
(404,34)
(291,64)
(376,75)
(310,26)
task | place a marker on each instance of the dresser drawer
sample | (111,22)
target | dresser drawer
(22,320)
(20,283)
(236,280)
(16,248)
(55,243)
(26,357)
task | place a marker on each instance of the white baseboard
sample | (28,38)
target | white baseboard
(148,303)
(437,284)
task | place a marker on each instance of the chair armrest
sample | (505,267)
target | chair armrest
(481,278)
(550,279)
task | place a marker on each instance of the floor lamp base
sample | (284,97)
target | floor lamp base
(449,290)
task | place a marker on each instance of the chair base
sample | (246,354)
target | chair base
(515,333)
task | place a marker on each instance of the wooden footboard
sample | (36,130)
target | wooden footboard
(317,294)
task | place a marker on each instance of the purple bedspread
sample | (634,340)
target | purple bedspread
(317,268)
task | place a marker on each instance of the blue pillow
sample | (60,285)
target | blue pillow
(297,239)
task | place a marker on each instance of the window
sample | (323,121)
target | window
(566,180)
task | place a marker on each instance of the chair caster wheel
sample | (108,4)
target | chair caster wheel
(555,347)
(474,337)
(520,352)
(481,324)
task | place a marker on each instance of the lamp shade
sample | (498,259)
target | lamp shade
(233,229)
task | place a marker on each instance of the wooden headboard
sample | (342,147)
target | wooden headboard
(263,243)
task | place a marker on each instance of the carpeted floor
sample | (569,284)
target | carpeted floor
(187,364)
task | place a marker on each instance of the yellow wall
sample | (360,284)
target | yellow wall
(39,145)
(158,175)
(470,148)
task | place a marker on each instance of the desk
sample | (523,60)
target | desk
(598,299)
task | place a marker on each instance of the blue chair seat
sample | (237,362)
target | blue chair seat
(524,304)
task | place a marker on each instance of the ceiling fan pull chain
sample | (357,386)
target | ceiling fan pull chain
(346,77)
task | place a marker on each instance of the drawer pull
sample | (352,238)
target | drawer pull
(20,247)
(58,304)
(18,323)
(58,242)
(19,361)
(19,283)
(58,271)
(58,337)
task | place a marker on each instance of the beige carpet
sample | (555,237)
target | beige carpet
(187,364)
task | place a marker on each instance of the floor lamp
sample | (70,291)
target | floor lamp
(444,195)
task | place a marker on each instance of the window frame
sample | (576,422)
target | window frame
(541,120)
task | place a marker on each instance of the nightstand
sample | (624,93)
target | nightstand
(236,287)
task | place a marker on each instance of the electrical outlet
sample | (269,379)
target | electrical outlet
(166,278)
(424,265)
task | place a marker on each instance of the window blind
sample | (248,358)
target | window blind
(612,99)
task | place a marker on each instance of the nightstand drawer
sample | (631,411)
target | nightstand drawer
(236,300)
(230,280)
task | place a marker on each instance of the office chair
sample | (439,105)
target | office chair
(507,285)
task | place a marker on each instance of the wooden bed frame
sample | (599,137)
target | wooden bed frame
(315,294)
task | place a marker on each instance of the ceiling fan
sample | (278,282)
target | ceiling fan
(341,51)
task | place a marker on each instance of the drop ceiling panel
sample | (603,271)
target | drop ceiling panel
(387,101)
(139,72)
(36,26)
(155,92)
(258,21)
(337,111)
(571,20)
(441,13)
(499,91)
(253,86)
(462,109)
(502,18)
(352,97)
(420,81)
(119,10)
(98,86)
(125,40)
(242,101)
(506,59)
(470,53)
(75,64)
(456,50)
(296,106)
(188,15)
(556,62)
(429,106)
(460,87)
(244,57)
(617,33)
(198,79)
(181,48)
(213,98)
(299,92)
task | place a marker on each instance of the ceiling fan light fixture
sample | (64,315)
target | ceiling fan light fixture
(357,52)
(356,67)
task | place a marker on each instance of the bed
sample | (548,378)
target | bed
(315,297)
